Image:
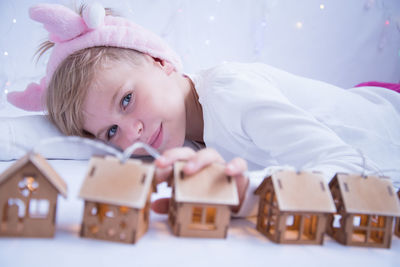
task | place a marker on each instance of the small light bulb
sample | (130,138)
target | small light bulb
(211,18)
(207,42)
(299,25)
(5,53)
(387,22)
(6,91)
(321,6)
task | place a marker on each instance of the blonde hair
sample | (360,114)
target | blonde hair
(67,89)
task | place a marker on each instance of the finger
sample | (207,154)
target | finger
(163,174)
(160,205)
(202,159)
(174,154)
(236,166)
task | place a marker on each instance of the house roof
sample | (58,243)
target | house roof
(300,191)
(43,166)
(370,195)
(208,186)
(112,182)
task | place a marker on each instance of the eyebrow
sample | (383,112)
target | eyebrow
(112,102)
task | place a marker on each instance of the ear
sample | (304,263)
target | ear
(164,65)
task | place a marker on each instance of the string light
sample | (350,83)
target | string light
(211,18)
(369,4)
(387,22)
(263,24)
(6,91)
(5,53)
(321,6)
(207,42)
(299,25)
(14,21)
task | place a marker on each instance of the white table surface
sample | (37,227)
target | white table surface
(244,246)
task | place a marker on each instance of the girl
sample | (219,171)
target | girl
(110,79)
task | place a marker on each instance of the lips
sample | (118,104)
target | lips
(156,139)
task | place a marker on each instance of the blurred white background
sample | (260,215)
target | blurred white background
(338,41)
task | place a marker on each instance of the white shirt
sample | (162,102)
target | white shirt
(274,119)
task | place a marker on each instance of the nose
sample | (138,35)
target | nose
(134,130)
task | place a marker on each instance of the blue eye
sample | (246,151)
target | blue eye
(112,131)
(126,100)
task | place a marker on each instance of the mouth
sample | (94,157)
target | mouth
(157,137)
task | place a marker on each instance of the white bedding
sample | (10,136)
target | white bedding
(244,246)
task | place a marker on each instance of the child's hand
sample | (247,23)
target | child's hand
(195,161)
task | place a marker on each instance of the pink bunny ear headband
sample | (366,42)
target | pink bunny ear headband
(70,32)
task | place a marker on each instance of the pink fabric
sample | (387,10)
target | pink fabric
(70,33)
(391,86)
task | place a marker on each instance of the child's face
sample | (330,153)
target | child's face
(128,103)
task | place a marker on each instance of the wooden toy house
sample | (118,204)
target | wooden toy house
(294,207)
(200,203)
(28,198)
(397,225)
(365,210)
(117,199)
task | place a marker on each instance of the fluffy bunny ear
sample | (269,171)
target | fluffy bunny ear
(61,22)
(31,99)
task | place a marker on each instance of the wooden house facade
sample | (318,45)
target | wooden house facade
(117,199)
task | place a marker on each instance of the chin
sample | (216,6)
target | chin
(172,144)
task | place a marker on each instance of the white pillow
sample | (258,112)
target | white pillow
(28,131)
(31,130)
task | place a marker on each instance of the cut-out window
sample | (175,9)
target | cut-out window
(346,187)
(210,215)
(322,186)
(197,213)
(122,236)
(360,220)
(92,171)
(94,211)
(123,210)
(28,185)
(377,237)
(271,223)
(290,220)
(359,236)
(310,224)
(378,221)
(20,204)
(39,208)
(200,222)
(280,184)
(110,214)
(111,232)
(94,229)
(337,221)
(123,225)
(292,231)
